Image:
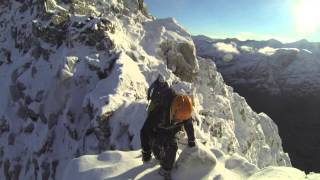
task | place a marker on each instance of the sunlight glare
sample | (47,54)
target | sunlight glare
(307,16)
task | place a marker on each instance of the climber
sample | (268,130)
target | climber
(167,113)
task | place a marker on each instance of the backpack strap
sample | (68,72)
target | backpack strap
(171,111)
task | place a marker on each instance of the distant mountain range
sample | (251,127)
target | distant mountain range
(301,44)
(270,65)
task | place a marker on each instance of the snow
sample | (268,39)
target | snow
(274,173)
(162,29)
(192,163)
(87,99)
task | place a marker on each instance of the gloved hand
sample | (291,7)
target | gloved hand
(191,143)
(146,156)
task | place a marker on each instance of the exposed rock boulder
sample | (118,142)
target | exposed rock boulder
(180,58)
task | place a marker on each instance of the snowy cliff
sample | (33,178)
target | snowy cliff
(73,80)
(280,79)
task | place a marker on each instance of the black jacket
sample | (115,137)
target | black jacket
(158,125)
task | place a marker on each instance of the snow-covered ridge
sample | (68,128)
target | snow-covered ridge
(73,79)
(279,79)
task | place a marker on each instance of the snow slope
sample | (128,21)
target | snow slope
(193,163)
(73,80)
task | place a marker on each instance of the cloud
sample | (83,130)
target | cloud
(227,48)
(267,51)
(247,49)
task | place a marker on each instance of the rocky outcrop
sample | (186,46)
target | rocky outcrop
(180,58)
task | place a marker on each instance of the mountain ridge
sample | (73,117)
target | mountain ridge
(74,76)
(280,81)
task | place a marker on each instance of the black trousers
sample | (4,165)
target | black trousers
(165,150)
(147,132)
(160,142)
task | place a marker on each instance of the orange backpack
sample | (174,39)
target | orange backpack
(181,108)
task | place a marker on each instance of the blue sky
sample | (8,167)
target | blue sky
(286,20)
